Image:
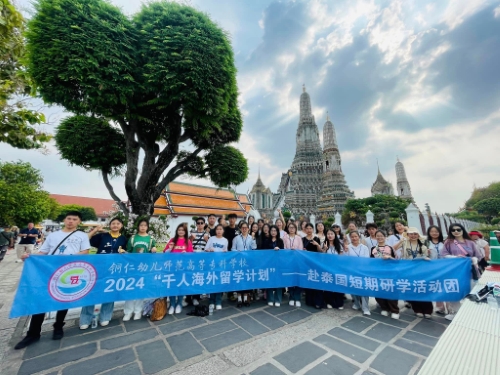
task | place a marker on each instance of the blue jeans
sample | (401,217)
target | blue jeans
(274,295)
(216,298)
(176,301)
(295,293)
(105,314)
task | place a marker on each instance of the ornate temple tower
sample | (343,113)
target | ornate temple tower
(381,186)
(305,174)
(335,191)
(403,186)
(262,198)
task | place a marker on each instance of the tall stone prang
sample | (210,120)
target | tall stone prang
(305,174)
(335,192)
(403,186)
(381,185)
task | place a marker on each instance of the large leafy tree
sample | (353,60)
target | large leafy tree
(490,208)
(88,213)
(387,209)
(16,121)
(487,192)
(23,199)
(155,94)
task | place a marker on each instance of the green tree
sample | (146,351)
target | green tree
(16,122)
(22,200)
(161,84)
(88,213)
(490,208)
(478,194)
(387,209)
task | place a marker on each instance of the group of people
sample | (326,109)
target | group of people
(212,236)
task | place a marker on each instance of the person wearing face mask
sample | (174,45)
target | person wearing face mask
(383,251)
(459,244)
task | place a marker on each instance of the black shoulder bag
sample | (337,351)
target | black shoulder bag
(60,243)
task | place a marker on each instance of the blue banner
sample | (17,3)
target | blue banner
(50,283)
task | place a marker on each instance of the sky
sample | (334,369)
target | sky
(418,80)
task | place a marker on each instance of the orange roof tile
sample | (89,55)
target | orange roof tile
(161,202)
(205,211)
(199,190)
(99,205)
(186,200)
(161,211)
(243,198)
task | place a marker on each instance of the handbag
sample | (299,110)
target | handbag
(159,309)
(475,272)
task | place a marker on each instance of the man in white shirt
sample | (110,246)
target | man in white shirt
(68,241)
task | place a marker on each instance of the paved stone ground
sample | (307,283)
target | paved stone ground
(259,340)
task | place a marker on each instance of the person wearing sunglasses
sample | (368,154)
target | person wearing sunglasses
(459,244)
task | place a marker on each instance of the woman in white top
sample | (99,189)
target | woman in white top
(357,249)
(302,231)
(370,240)
(435,241)
(333,246)
(281,227)
(293,241)
(399,232)
(217,244)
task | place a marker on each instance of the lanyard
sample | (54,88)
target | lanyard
(413,253)
(244,242)
(358,253)
(292,240)
(371,242)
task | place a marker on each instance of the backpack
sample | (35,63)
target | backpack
(159,309)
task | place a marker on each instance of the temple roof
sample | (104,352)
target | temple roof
(101,206)
(188,199)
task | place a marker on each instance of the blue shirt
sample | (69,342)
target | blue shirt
(29,240)
(106,244)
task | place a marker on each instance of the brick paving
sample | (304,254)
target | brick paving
(259,340)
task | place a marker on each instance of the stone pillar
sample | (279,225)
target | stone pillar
(370,217)
(338,219)
(427,223)
(312,220)
(413,216)
(444,225)
(434,219)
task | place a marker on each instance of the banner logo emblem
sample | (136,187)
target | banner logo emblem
(72,281)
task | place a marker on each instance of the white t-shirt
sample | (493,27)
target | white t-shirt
(75,243)
(301,234)
(435,249)
(370,242)
(360,251)
(480,244)
(392,240)
(218,244)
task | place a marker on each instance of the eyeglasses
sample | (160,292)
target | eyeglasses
(458,230)
(200,223)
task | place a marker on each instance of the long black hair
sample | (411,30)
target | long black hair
(340,234)
(277,231)
(440,238)
(335,243)
(451,237)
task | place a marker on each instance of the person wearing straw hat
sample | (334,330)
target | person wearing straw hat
(482,246)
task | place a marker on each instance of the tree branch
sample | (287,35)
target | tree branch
(132,160)
(177,171)
(111,191)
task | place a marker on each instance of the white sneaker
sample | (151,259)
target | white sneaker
(19,261)
(195,302)
(329,307)
(291,303)
(137,316)
(354,307)
(277,304)
(171,310)
(367,313)
(211,306)
(178,309)
(384,313)
(218,307)
(427,316)
(297,304)
(127,317)
(84,326)
(105,323)
(449,316)
(420,315)
(394,316)
(341,308)
(270,304)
